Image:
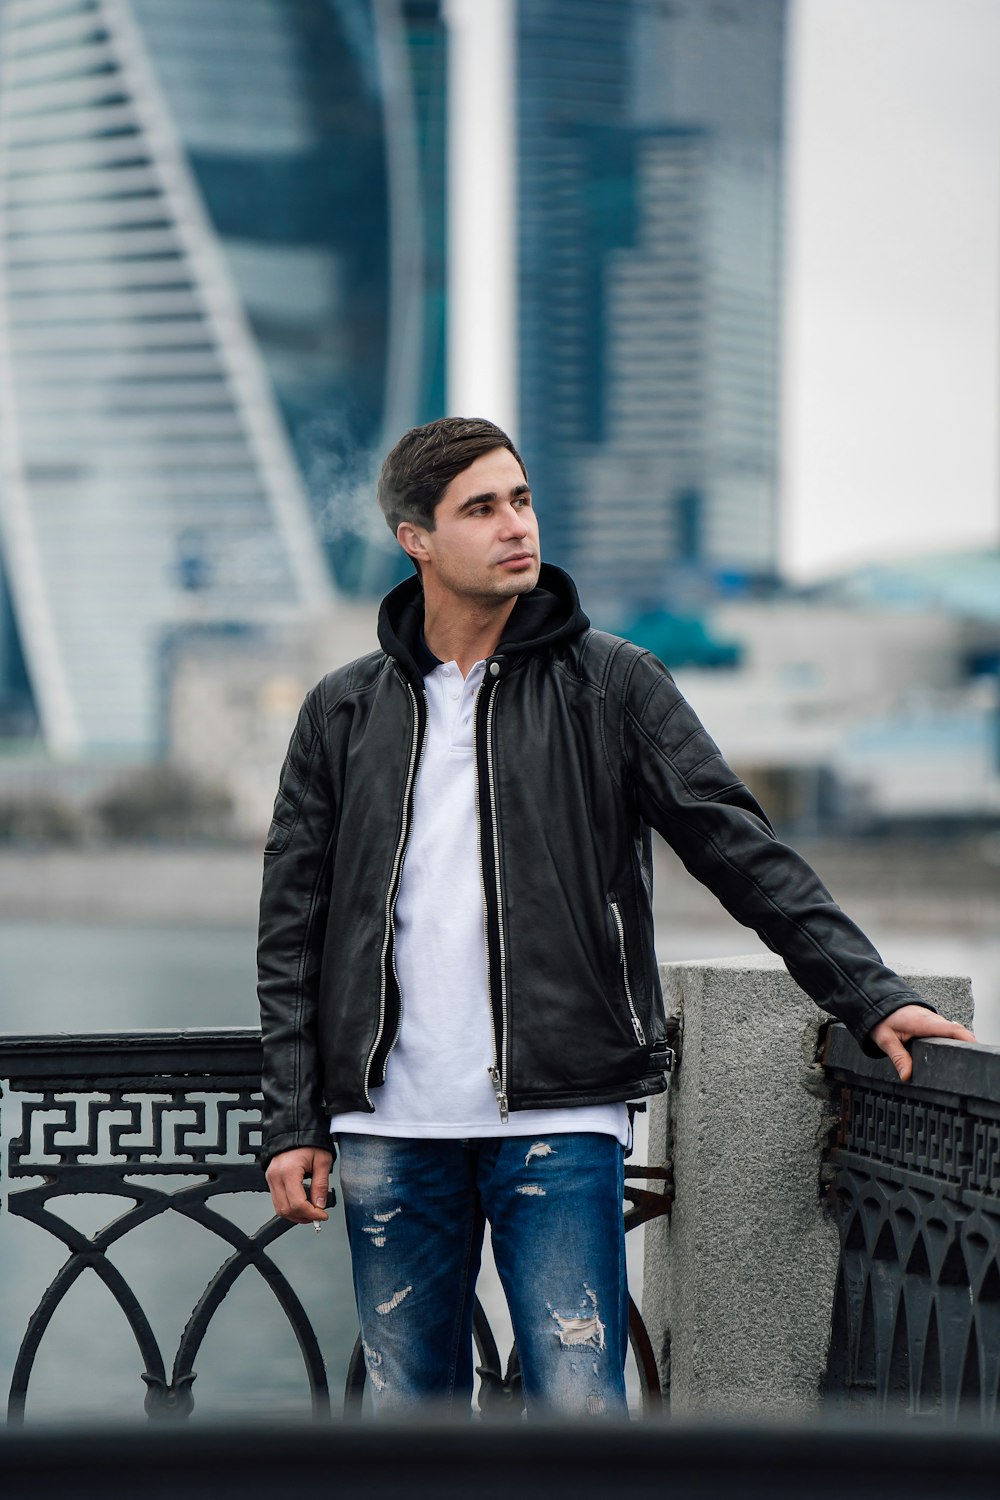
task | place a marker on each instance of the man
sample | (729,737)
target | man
(457,973)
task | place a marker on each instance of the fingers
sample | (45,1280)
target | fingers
(286,1179)
(889,1035)
(898,1056)
(319,1188)
(911,1021)
(920,1022)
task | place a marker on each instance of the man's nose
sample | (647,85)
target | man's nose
(514,521)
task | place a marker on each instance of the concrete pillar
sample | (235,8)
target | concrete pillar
(739,1281)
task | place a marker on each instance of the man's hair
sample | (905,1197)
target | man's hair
(426,459)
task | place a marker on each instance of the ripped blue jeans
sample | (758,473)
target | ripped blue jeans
(416,1212)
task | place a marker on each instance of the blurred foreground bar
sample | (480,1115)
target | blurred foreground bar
(536,1462)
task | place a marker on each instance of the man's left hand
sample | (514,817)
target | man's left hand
(911,1021)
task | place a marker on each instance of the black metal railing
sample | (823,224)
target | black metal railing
(914,1176)
(167,1122)
(136,1116)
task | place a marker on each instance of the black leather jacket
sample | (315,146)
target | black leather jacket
(583,742)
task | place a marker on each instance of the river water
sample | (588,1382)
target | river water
(105,975)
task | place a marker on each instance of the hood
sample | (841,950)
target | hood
(549,614)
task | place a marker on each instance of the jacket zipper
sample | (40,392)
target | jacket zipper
(390,898)
(498,1072)
(640,1035)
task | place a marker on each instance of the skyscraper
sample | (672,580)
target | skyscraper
(649,228)
(221,234)
(222,294)
(315,132)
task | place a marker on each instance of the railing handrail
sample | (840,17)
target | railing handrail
(968,1069)
(64,1057)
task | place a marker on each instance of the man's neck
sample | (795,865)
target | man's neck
(465,631)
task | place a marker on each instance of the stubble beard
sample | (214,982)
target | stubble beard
(496,587)
(513,585)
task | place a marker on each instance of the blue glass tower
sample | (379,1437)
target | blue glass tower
(650,255)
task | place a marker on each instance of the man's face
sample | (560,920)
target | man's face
(485,539)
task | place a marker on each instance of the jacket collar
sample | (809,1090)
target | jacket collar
(550,614)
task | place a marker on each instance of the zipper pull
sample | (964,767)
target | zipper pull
(498,1089)
(640,1035)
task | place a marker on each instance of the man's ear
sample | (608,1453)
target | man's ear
(411,539)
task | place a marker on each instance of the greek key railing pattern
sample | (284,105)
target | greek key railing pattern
(122,1116)
(915,1185)
(155,1132)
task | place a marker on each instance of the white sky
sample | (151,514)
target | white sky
(892,392)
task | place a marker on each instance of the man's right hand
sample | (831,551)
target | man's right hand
(286,1176)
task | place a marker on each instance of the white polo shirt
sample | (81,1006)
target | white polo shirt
(437,1083)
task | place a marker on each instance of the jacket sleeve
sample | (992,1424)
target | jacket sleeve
(687,792)
(293,905)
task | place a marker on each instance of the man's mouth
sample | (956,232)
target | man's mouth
(517,557)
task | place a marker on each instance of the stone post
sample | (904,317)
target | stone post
(739,1281)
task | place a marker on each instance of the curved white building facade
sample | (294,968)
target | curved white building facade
(146,479)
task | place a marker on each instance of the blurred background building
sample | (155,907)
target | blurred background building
(225,229)
(223,292)
(221,277)
(867,704)
(650,181)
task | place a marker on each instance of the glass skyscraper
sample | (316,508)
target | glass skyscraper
(649,242)
(315,132)
(221,283)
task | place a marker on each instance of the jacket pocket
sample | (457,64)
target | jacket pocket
(616,916)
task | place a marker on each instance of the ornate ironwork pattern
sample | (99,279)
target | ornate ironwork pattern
(137,1116)
(155,1132)
(123,1116)
(916,1191)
